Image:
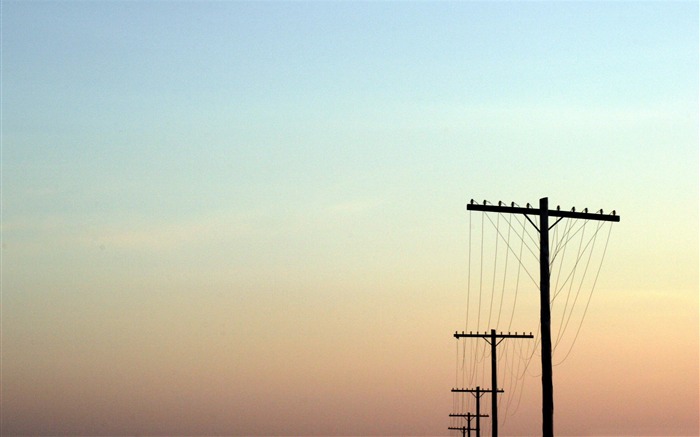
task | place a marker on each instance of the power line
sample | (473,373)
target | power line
(544,213)
(585,311)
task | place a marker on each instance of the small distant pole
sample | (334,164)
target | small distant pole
(466,429)
(478,392)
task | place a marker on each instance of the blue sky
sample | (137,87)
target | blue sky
(248,166)
(148,82)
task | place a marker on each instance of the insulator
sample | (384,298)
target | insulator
(528,205)
(558,207)
(512,204)
(573,209)
(613,213)
(585,209)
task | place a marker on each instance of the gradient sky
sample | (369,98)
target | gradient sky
(248,218)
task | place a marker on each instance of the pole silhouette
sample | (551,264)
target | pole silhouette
(478,392)
(492,340)
(544,213)
(468,428)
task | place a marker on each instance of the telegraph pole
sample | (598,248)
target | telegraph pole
(546,323)
(468,428)
(464,430)
(478,392)
(491,339)
(545,310)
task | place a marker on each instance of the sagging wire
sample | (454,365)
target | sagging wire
(512,251)
(495,265)
(517,281)
(595,281)
(562,330)
(505,272)
(571,284)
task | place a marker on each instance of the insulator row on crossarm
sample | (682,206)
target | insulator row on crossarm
(502,204)
(585,210)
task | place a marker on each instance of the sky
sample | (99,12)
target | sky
(249,218)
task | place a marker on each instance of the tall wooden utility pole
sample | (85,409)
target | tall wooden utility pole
(478,392)
(545,317)
(491,339)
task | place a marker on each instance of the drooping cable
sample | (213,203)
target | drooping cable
(535,348)
(568,294)
(505,274)
(578,291)
(595,281)
(511,249)
(511,376)
(560,246)
(469,283)
(566,316)
(481,272)
(568,236)
(520,396)
(578,259)
(457,366)
(495,265)
(535,241)
(517,279)
(469,272)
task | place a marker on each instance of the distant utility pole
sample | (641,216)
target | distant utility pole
(468,428)
(464,429)
(545,316)
(478,392)
(491,339)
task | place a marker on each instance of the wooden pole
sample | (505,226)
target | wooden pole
(478,411)
(545,320)
(494,384)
